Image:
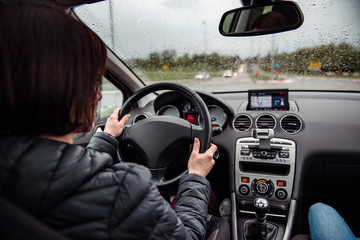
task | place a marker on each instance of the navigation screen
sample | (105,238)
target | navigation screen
(268,99)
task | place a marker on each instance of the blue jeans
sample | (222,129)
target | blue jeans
(326,223)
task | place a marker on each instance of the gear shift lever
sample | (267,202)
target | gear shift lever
(259,228)
(261,207)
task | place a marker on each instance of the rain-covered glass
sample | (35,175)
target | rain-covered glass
(177,40)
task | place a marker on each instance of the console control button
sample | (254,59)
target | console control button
(264,154)
(281,183)
(245,179)
(245,152)
(244,189)
(284,154)
(281,194)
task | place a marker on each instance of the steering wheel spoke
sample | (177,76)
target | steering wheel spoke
(198,132)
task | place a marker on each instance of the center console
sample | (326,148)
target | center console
(263,172)
(264,168)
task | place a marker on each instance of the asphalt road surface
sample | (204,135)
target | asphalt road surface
(243,82)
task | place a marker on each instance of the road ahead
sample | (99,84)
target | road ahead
(242,82)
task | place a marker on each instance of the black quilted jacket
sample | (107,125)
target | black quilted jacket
(81,193)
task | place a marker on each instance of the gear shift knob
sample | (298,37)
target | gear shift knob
(259,228)
(261,207)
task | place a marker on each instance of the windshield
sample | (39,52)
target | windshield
(177,40)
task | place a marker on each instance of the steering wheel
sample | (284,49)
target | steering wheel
(158,137)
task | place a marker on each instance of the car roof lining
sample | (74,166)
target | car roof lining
(64,3)
(75,2)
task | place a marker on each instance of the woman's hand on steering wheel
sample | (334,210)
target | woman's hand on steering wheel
(113,126)
(201,163)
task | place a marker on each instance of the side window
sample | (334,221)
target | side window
(112,98)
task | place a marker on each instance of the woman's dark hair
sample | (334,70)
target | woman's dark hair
(269,20)
(50,65)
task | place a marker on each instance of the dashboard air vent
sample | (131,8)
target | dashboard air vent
(291,124)
(242,123)
(265,121)
(139,117)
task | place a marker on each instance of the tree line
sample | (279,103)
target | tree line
(213,62)
(328,58)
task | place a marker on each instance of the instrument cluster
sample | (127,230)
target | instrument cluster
(187,111)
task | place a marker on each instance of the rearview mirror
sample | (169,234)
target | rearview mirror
(261,19)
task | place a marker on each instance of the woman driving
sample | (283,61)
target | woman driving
(51,67)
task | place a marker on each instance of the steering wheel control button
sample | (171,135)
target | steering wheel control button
(262,187)
(244,189)
(216,155)
(281,194)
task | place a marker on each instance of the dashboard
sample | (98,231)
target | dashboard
(323,126)
(312,155)
(176,105)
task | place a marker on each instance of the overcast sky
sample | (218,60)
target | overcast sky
(191,26)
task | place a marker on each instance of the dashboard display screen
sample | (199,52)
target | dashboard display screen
(274,99)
